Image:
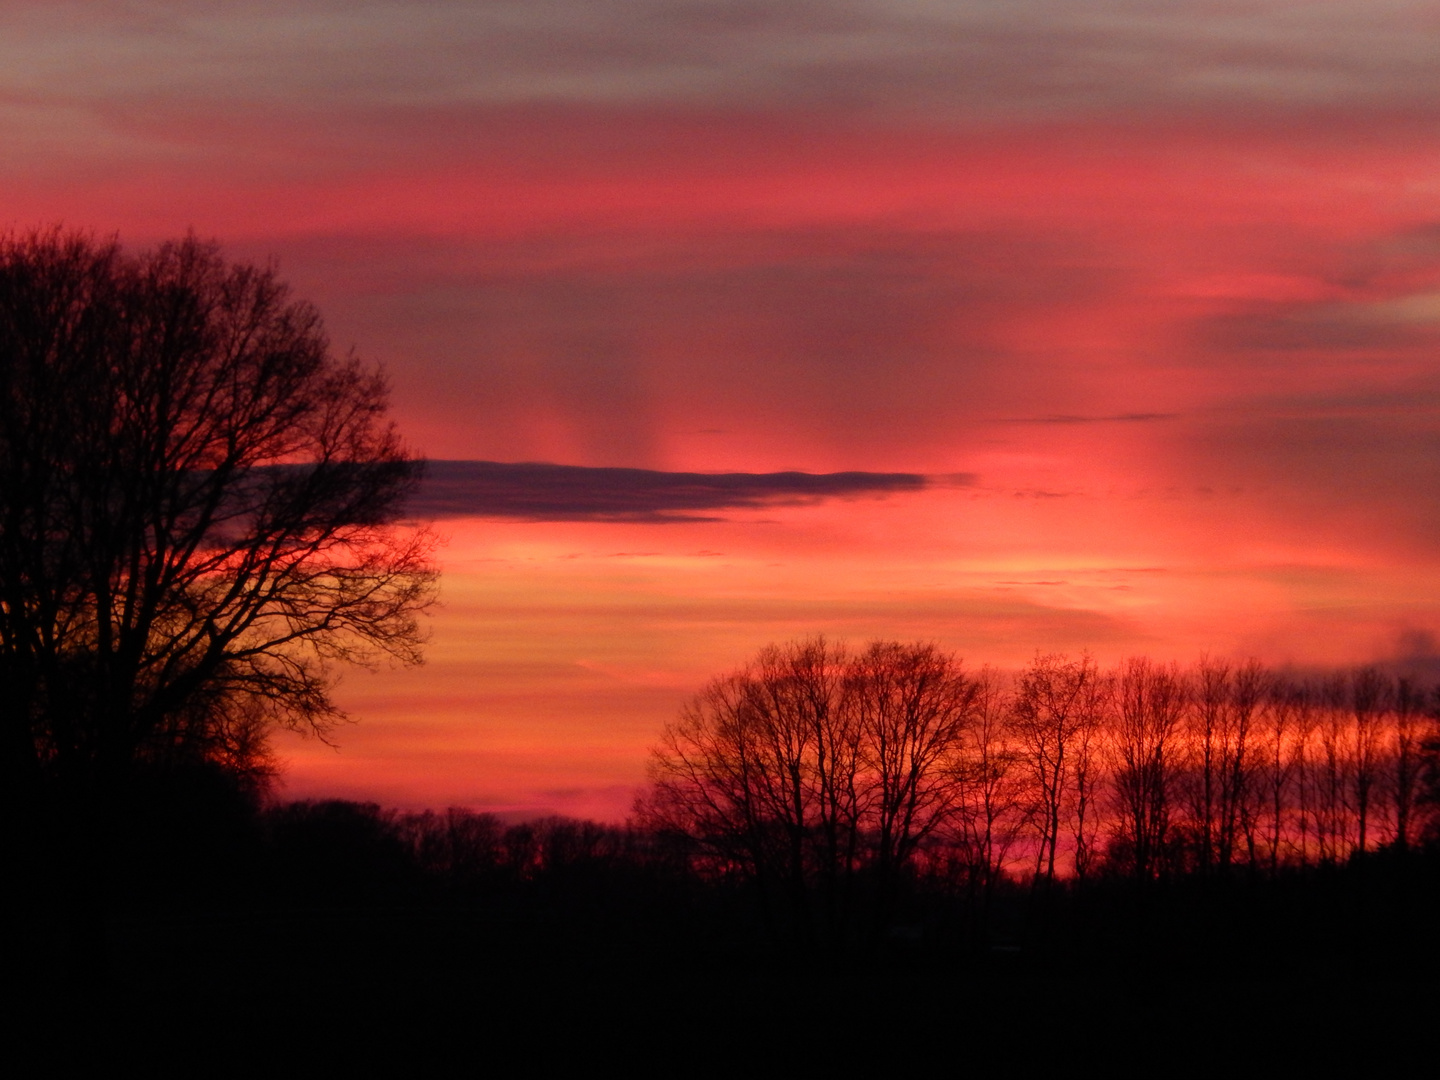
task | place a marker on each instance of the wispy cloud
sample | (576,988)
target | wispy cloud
(1075,418)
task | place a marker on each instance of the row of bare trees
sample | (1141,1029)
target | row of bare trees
(828,778)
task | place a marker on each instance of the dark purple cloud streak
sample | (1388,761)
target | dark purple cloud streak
(539,491)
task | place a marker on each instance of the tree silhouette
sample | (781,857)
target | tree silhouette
(993,800)
(1408,758)
(1225,706)
(1058,708)
(818,774)
(914,705)
(198,512)
(1150,701)
(759,774)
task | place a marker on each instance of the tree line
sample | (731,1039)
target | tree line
(864,802)
(830,780)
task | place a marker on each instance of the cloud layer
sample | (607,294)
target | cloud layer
(988,57)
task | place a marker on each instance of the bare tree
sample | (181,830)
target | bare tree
(1240,810)
(708,785)
(1283,708)
(1088,777)
(1224,709)
(1368,705)
(1408,703)
(760,773)
(801,693)
(1307,700)
(1056,711)
(1150,700)
(992,810)
(813,769)
(199,510)
(1207,714)
(912,704)
(1332,770)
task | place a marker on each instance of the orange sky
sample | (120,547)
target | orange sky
(1149,290)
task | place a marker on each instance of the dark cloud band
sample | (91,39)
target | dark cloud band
(536,491)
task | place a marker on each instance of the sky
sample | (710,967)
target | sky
(1015,326)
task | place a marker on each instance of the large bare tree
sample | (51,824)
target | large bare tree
(199,511)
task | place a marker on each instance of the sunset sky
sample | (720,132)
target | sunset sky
(1120,318)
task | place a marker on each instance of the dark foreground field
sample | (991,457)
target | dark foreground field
(318,942)
(320,988)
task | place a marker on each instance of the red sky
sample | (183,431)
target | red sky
(1155,285)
